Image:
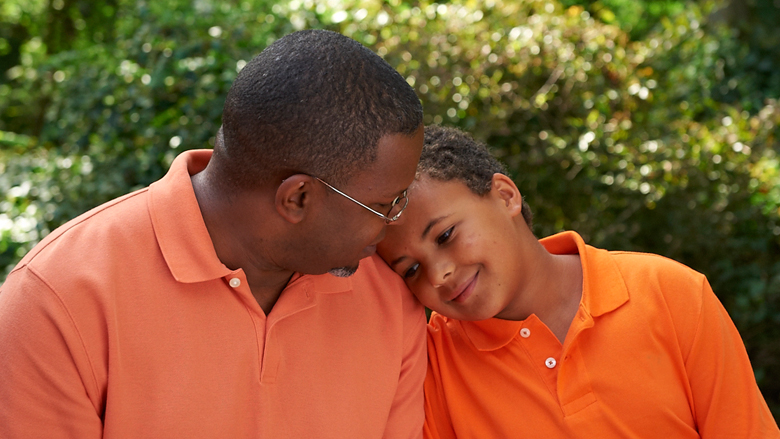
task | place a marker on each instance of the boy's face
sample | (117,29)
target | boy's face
(458,252)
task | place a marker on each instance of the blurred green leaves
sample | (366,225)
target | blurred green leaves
(654,132)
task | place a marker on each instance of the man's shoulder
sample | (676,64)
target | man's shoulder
(374,272)
(125,218)
(377,287)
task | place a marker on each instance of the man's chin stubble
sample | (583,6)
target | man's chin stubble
(343,271)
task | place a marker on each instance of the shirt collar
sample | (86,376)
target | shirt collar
(321,283)
(603,291)
(184,239)
(491,334)
(178,224)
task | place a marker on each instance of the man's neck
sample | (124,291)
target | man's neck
(267,289)
(236,250)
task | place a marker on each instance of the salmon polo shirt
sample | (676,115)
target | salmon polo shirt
(124,324)
(651,353)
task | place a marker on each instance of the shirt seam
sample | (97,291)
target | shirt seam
(696,337)
(699,319)
(70,227)
(72,321)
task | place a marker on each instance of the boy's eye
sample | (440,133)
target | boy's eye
(444,237)
(411,271)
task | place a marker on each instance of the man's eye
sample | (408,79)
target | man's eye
(444,237)
(411,271)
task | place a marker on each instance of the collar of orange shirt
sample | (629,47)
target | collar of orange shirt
(184,239)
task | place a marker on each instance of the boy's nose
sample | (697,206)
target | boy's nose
(440,273)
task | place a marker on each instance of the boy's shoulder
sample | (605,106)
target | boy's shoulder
(439,324)
(443,331)
(649,266)
(446,342)
(657,284)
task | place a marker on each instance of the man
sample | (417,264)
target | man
(202,306)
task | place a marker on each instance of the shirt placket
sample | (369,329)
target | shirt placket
(294,298)
(574,388)
(544,351)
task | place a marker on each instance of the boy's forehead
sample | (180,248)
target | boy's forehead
(430,203)
(435,192)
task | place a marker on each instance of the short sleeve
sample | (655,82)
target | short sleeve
(45,377)
(726,400)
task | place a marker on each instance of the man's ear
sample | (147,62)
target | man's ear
(293,197)
(506,191)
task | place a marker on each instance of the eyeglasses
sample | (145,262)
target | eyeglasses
(396,207)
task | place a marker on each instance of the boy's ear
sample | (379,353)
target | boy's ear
(507,192)
(293,197)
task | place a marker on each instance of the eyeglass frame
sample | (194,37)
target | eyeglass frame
(387,219)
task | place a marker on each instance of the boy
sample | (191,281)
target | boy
(555,338)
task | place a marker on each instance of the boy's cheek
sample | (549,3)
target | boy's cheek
(425,299)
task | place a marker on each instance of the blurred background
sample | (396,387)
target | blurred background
(647,125)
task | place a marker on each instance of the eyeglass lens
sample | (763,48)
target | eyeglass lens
(399,204)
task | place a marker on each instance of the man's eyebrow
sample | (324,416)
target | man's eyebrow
(399,193)
(391,197)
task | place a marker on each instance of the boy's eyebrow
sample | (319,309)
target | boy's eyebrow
(424,234)
(396,262)
(431,224)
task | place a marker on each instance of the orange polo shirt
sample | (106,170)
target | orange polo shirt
(651,353)
(124,324)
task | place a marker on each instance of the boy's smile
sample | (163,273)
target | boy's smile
(458,251)
(463,292)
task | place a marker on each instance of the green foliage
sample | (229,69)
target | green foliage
(654,140)
(754,75)
(109,118)
(635,17)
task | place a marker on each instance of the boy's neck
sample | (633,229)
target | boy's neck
(563,295)
(552,288)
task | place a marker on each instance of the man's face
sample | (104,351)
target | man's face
(348,232)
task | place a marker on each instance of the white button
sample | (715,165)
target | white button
(550,362)
(525,333)
(235,282)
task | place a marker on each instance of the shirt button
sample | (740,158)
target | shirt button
(235,282)
(550,362)
(525,333)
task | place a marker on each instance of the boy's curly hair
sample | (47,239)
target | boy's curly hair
(450,154)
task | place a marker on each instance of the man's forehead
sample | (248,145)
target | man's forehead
(394,168)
